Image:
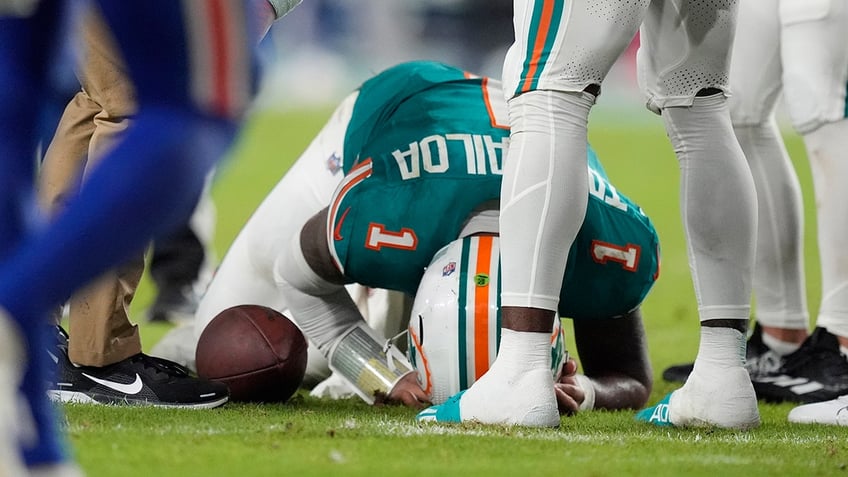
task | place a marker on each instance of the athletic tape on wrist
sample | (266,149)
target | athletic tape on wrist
(588,392)
(366,364)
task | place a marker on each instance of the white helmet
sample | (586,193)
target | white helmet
(454,329)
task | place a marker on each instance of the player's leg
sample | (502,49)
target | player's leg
(100,329)
(756,83)
(60,174)
(246,272)
(815,57)
(684,62)
(24,50)
(552,73)
(816,77)
(104,345)
(58,181)
(99,325)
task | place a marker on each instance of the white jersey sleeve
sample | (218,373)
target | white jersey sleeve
(246,273)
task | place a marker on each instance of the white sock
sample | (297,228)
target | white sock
(518,388)
(721,347)
(524,351)
(779,346)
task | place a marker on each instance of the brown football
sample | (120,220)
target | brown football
(256,351)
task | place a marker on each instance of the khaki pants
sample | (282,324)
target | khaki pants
(100,330)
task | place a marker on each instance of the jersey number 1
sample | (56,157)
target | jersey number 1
(627,256)
(378,237)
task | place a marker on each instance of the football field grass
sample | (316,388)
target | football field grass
(312,437)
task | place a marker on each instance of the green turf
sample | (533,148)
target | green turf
(312,437)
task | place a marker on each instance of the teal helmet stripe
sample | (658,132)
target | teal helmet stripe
(533,65)
(462,301)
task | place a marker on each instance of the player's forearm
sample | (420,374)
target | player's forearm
(620,392)
(580,393)
(614,354)
(322,318)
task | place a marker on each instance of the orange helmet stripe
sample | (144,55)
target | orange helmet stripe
(481,306)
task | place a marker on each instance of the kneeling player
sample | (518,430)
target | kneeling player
(423,169)
(415,159)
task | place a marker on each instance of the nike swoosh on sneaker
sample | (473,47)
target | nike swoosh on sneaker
(132,388)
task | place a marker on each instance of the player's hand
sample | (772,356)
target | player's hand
(408,392)
(569,393)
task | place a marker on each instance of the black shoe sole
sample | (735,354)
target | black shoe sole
(774,394)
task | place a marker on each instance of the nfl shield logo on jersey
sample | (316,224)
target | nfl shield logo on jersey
(334,163)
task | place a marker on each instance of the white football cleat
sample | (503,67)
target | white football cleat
(833,412)
(528,399)
(722,397)
(524,399)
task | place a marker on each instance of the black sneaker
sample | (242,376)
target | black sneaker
(174,305)
(817,371)
(137,380)
(760,360)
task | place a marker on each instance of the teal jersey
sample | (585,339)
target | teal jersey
(425,147)
(615,258)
